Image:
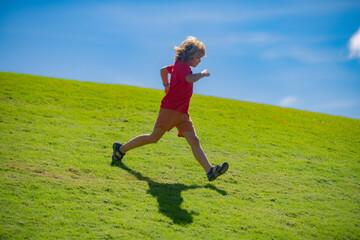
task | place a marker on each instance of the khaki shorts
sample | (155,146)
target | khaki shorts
(168,119)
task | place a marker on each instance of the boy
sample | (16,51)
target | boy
(174,107)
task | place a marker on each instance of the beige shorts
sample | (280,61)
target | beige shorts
(168,119)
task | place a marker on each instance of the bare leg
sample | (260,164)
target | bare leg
(143,140)
(198,152)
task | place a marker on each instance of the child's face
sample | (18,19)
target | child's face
(194,61)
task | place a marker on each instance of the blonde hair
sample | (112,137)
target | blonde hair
(189,48)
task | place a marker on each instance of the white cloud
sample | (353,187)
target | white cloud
(341,104)
(156,13)
(354,45)
(303,54)
(288,101)
(254,38)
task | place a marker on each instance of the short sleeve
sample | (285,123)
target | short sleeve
(170,68)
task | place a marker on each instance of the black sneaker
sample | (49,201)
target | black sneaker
(217,171)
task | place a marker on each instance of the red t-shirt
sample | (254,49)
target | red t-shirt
(180,91)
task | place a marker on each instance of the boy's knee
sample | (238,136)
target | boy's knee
(154,138)
(156,135)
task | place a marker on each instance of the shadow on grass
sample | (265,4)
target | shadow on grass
(169,196)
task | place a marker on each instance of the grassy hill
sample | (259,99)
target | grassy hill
(293,174)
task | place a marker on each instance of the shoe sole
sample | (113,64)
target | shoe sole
(223,170)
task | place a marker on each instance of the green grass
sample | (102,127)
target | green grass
(293,174)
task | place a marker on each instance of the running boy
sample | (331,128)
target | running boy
(174,107)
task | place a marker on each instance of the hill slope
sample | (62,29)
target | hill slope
(293,174)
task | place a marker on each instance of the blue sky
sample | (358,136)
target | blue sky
(300,54)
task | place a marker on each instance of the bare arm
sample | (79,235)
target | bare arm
(191,78)
(165,78)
